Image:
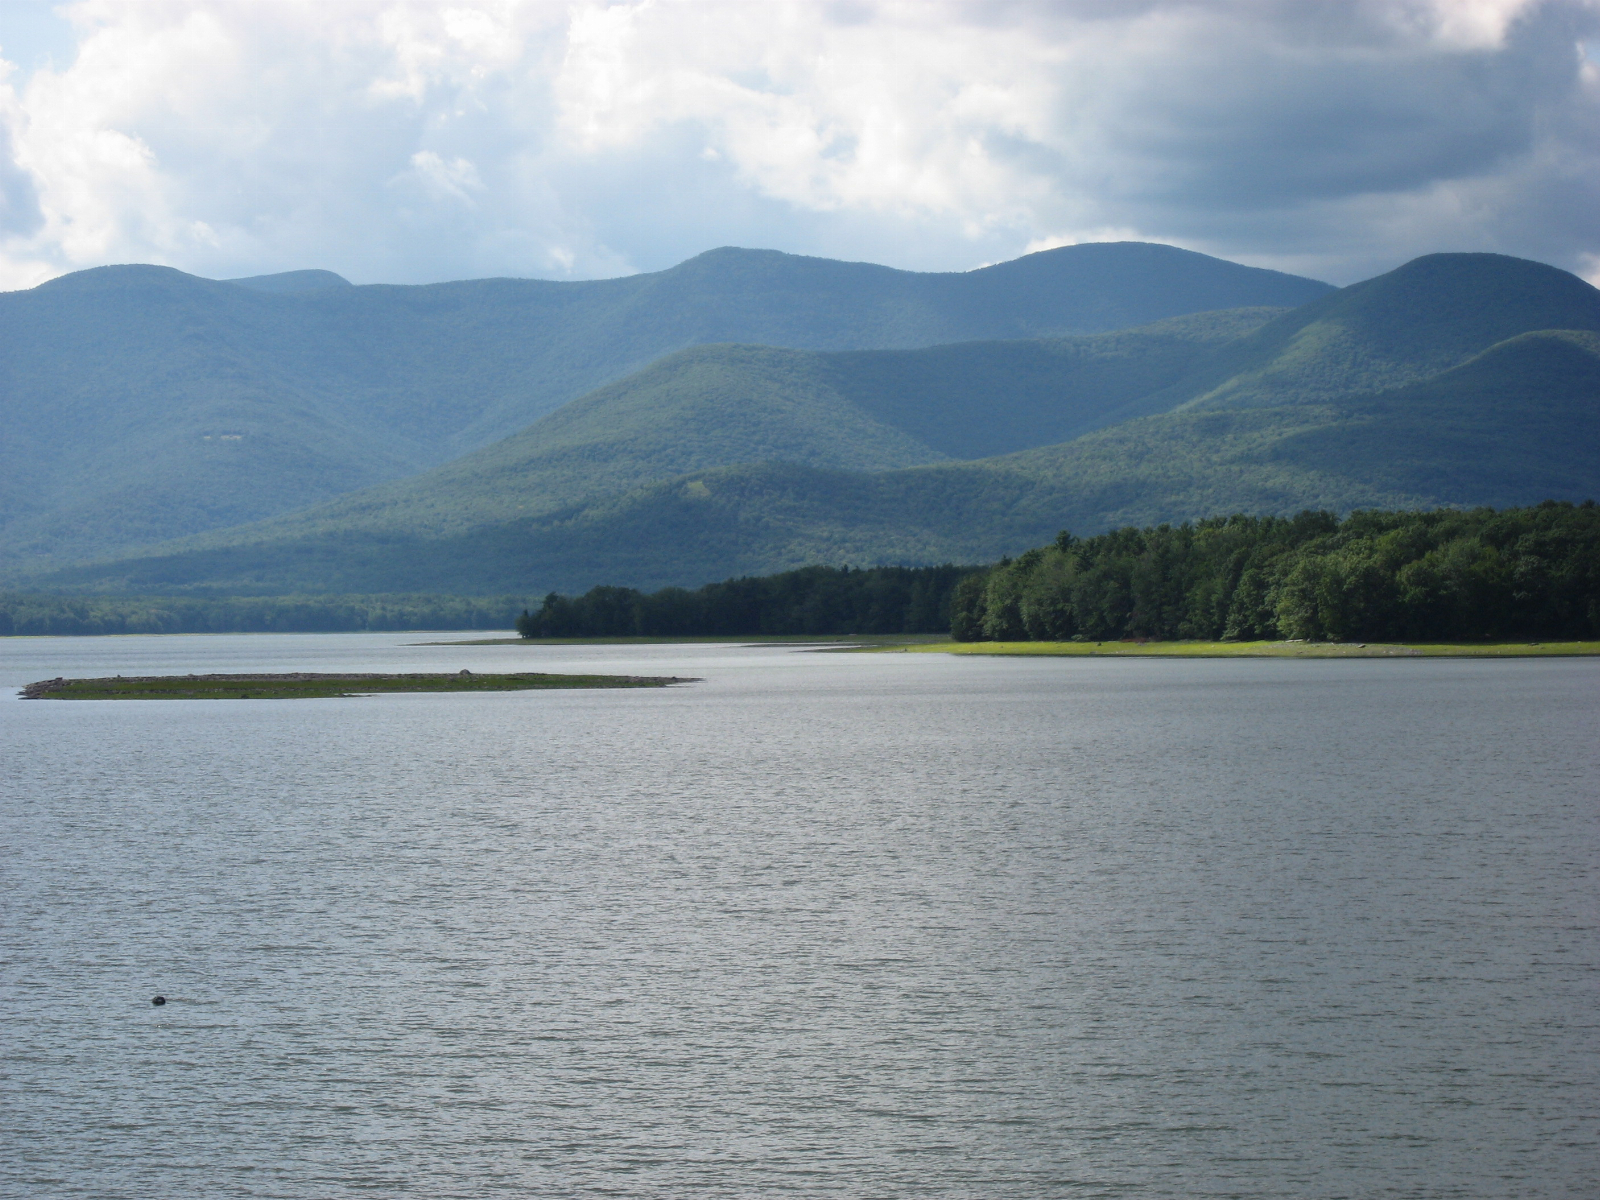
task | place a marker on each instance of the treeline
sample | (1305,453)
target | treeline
(812,600)
(1374,576)
(67,615)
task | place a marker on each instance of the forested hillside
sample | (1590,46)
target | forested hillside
(730,460)
(713,406)
(1454,381)
(141,404)
(1413,323)
(1517,424)
(34,615)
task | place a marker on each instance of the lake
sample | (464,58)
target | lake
(823,924)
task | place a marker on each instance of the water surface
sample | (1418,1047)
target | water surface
(821,925)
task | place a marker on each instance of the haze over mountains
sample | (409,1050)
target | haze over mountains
(1438,383)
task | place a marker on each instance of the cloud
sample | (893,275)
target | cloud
(456,179)
(414,141)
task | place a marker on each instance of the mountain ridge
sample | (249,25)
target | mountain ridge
(292,281)
(710,406)
(1533,399)
(143,404)
(1426,316)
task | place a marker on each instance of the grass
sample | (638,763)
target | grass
(306,685)
(1268,649)
(941,644)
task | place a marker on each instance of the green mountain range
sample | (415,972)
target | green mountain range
(711,406)
(142,404)
(1455,380)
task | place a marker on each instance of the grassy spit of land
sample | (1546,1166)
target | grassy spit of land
(305,685)
(1138,649)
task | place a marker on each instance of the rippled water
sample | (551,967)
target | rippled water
(821,925)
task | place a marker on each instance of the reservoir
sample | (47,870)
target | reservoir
(823,924)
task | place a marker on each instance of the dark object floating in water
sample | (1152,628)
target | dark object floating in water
(307,684)
(159,1001)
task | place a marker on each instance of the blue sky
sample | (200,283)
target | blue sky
(35,35)
(410,142)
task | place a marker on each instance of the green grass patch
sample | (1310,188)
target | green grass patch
(306,685)
(1135,649)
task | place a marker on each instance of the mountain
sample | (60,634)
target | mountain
(142,404)
(1427,316)
(292,281)
(712,406)
(1513,425)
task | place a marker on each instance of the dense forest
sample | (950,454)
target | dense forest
(812,600)
(1374,576)
(22,614)
(1442,575)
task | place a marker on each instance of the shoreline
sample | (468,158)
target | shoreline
(1133,649)
(927,643)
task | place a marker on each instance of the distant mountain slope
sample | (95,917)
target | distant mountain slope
(1425,317)
(143,404)
(713,406)
(979,399)
(774,299)
(292,281)
(873,410)
(1516,424)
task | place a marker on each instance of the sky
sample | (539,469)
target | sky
(402,142)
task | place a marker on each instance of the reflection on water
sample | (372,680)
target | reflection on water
(856,925)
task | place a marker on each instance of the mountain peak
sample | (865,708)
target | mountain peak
(292,281)
(1424,317)
(117,277)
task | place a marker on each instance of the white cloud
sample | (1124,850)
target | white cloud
(1475,24)
(405,141)
(454,180)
